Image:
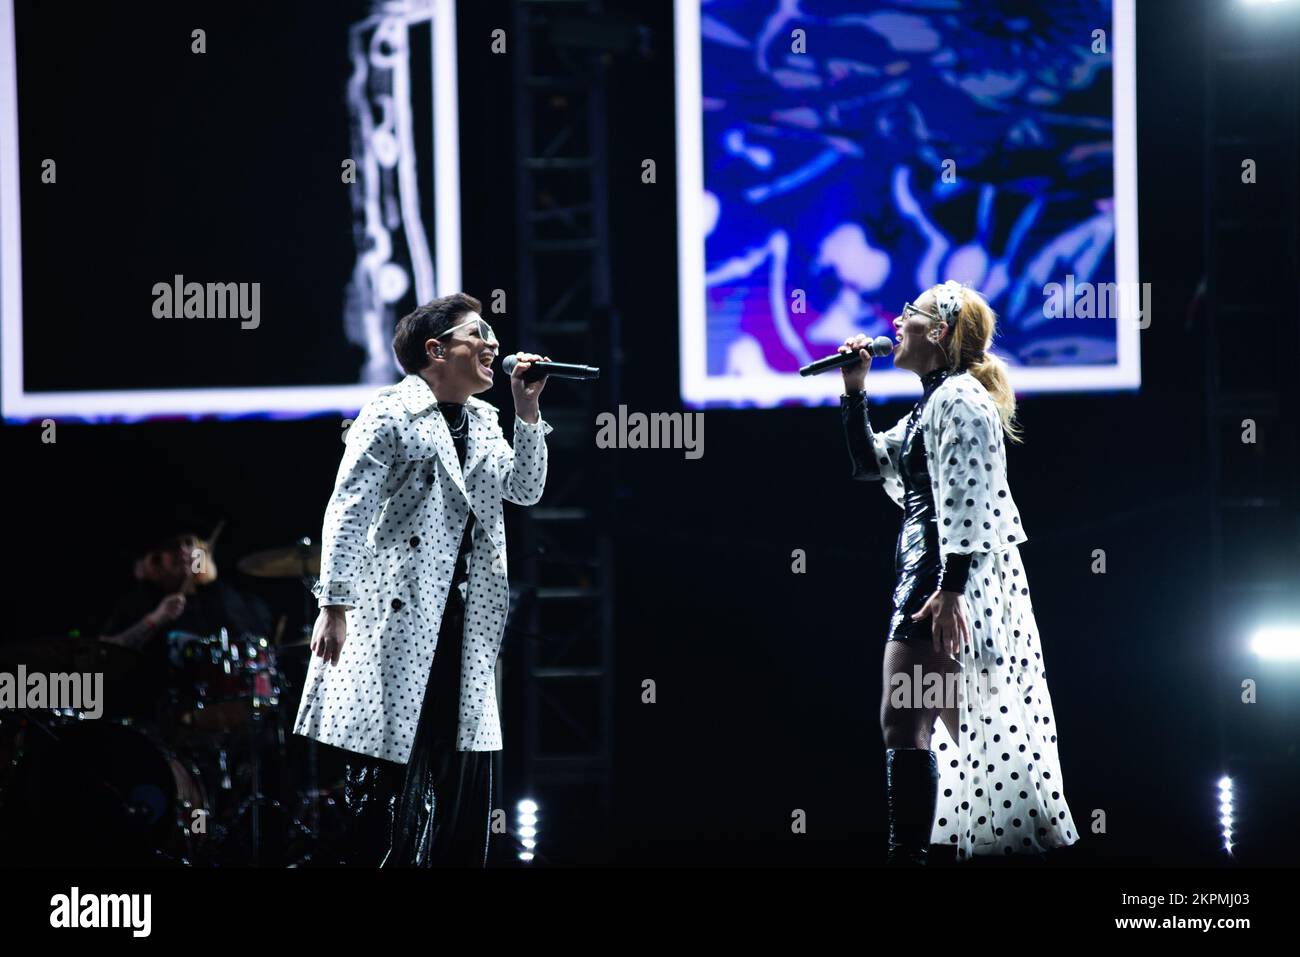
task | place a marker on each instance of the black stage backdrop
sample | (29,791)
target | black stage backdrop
(768,682)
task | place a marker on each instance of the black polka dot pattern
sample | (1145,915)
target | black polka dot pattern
(391,534)
(1000,784)
(889,446)
(972,498)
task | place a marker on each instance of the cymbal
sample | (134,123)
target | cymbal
(293,561)
(71,655)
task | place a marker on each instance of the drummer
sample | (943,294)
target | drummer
(176,588)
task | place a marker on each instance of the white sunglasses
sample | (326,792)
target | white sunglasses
(484,330)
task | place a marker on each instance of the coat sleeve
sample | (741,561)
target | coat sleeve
(358,494)
(873,456)
(521,470)
(972,499)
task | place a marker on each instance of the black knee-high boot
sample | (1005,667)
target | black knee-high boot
(912,782)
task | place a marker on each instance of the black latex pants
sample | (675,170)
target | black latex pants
(435,810)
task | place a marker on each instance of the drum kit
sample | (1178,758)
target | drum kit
(198,775)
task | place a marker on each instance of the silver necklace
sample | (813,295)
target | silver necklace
(458,429)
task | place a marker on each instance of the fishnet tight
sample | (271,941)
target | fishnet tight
(911,727)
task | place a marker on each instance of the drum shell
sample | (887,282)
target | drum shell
(99,793)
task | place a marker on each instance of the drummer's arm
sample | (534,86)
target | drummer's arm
(138,635)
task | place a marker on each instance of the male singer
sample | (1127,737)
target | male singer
(413,593)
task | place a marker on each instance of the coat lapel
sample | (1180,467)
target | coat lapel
(483,437)
(420,402)
(480,434)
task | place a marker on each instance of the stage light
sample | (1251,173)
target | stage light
(1263,3)
(1277,643)
(526,828)
(1225,811)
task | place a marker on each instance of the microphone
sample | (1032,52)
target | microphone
(878,347)
(561,370)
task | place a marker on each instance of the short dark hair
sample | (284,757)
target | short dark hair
(429,321)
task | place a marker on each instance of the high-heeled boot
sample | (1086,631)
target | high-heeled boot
(912,782)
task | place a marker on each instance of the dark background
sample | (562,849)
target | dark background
(768,682)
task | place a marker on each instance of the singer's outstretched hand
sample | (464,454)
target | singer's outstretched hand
(855,376)
(527,393)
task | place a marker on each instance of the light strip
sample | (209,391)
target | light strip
(690,195)
(11,278)
(446,148)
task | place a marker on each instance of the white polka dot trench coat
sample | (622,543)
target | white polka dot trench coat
(391,534)
(1000,788)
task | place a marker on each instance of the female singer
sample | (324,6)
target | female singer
(962,610)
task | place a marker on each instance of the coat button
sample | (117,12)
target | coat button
(397,604)
(415,541)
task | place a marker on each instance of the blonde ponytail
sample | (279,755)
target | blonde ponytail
(992,374)
(968,348)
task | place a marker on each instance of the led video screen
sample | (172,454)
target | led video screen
(838,157)
(205,217)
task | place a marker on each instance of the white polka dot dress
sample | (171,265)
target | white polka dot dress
(1000,787)
(391,534)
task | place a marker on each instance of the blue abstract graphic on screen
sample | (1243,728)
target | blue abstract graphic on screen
(912,142)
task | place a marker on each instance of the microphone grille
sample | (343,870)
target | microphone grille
(882,346)
(508,364)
